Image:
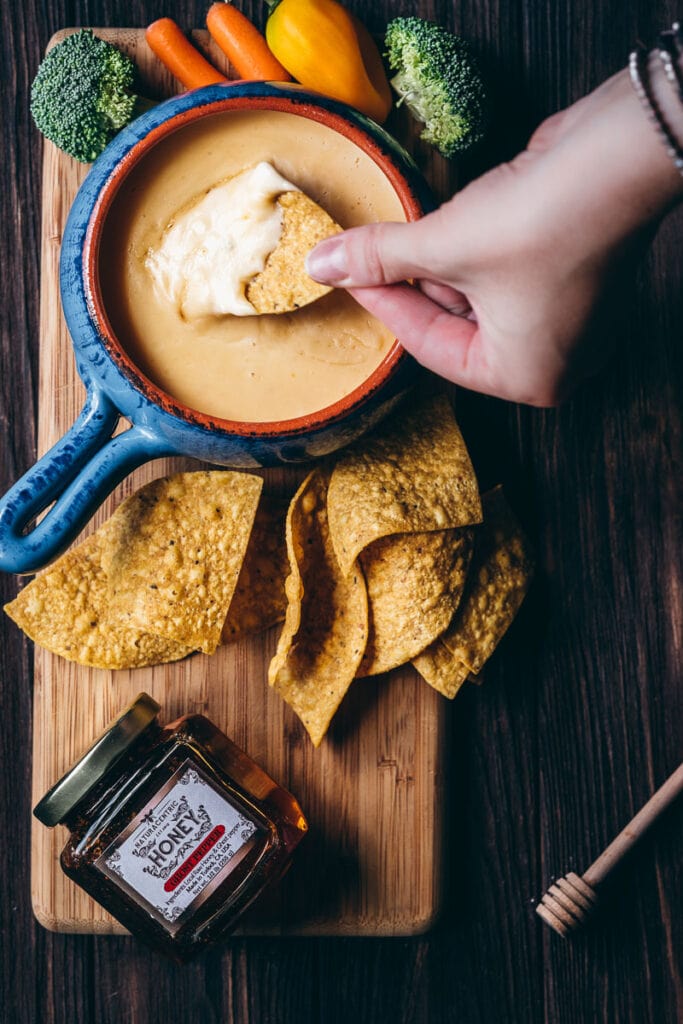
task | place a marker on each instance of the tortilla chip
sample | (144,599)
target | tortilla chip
(67,610)
(440,669)
(414,582)
(259,600)
(500,575)
(413,476)
(326,625)
(283,285)
(177,548)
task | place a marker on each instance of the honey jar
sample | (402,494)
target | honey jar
(174,829)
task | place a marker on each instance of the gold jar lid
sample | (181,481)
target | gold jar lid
(96,762)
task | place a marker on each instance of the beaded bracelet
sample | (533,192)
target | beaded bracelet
(670,52)
(641,85)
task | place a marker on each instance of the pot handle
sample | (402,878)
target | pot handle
(79,472)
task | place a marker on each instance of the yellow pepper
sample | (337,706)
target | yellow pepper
(326,48)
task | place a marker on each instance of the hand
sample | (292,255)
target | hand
(509,271)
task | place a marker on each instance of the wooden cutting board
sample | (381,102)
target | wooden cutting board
(372,793)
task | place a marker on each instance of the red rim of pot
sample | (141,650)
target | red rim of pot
(302,424)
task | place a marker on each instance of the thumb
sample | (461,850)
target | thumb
(376,254)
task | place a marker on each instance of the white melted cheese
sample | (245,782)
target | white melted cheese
(212,249)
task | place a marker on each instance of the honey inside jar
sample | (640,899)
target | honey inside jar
(174,829)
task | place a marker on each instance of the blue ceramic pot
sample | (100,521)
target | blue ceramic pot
(87,463)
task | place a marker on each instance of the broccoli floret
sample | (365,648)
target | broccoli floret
(439,82)
(81,95)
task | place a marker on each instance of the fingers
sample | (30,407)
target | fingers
(452,300)
(447,344)
(378,254)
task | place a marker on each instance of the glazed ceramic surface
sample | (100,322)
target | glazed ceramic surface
(87,463)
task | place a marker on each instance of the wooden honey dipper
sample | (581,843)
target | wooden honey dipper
(569,902)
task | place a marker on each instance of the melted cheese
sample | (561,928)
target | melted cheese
(249,368)
(212,249)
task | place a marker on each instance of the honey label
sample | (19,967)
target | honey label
(180,847)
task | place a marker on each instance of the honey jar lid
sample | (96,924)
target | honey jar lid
(96,762)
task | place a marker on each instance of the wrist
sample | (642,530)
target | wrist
(667,97)
(610,171)
(640,174)
(662,104)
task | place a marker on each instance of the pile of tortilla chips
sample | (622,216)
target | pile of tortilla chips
(390,565)
(156,581)
(386,562)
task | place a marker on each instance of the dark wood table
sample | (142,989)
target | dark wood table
(580,717)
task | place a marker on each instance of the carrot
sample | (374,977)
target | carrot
(177,53)
(243,44)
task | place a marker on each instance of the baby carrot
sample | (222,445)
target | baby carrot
(243,44)
(177,53)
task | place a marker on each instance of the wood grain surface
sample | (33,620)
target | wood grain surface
(580,717)
(373,792)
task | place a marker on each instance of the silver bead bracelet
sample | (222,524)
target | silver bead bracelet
(639,78)
(670,52)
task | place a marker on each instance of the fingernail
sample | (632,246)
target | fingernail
(327,262)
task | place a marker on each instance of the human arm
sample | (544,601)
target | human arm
(511,268)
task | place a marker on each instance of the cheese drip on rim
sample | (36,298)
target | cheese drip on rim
(213,248)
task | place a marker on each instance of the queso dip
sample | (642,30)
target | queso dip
(246,368)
